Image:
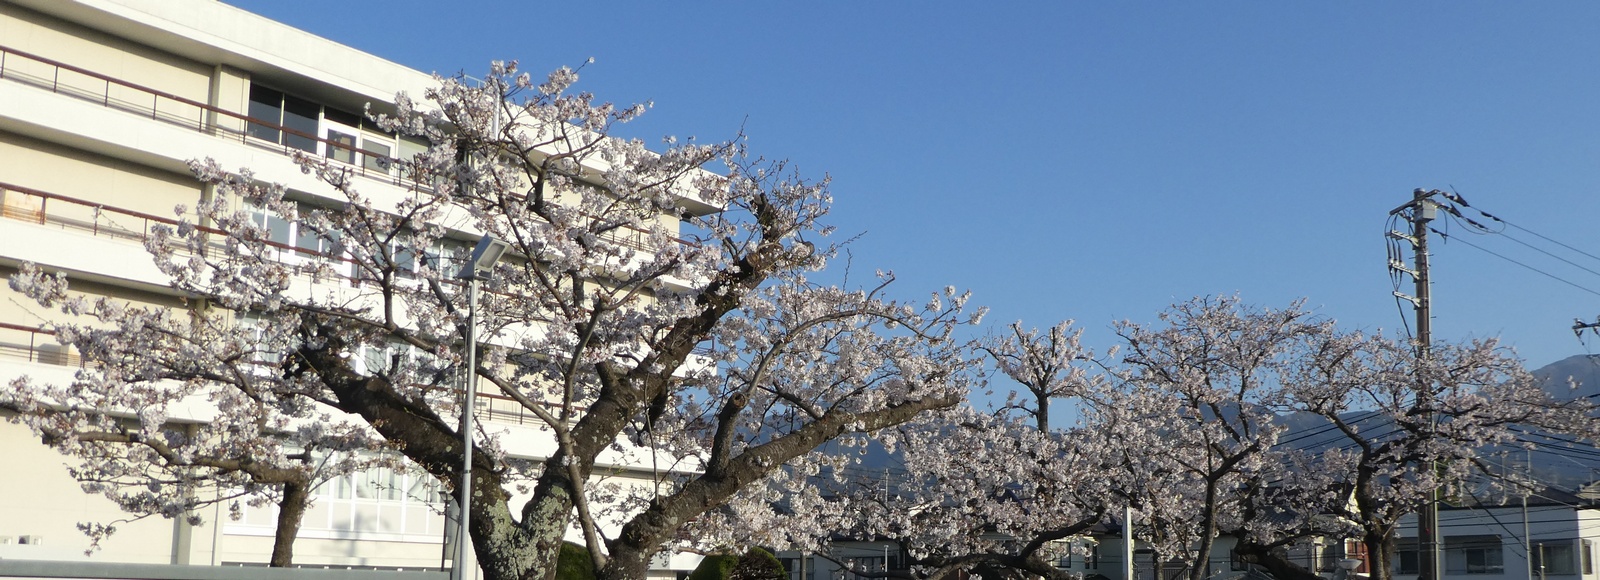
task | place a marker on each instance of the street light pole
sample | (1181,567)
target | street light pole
(478,268)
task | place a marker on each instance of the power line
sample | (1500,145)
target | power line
(1321,430)
(1547,253)
(1458,200)
(1447,237)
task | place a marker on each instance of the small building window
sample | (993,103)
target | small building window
(1406,559)
(1554,557)
(1588,557)
(266,105)
(275,109)
(1474,555)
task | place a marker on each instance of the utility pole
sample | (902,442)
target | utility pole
(1419,211)
(1127,543)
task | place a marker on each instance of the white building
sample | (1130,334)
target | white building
(102,103)
(1553,538)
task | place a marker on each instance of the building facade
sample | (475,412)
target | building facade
(102,105)
(1553,537)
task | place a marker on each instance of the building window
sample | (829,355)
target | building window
(1406,559)
(264,355)
(1587,555)
(344,136)
(404,364)
(444,257)
(297,115)
(1554,557)
(356,140)
(866,564)
(1329,556)
(305,243)
(21,206)
(1474,555)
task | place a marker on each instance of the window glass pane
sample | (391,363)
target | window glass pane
(252,324)
(1554,558)
(1588,557)
(300,116)
(341,147)
(412,146)
(332,248)
(279,229)
(391,485)
(343,490)
(423,488)
(341,117)
(453,255)
(366,485)
(307,242)
(1405,557)
(376,359)
(405,259)
(377,157)
(266,105)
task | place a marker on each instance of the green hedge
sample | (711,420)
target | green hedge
(755,564)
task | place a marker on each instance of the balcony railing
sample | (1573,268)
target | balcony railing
(35,345)
(44,208)
(65,79)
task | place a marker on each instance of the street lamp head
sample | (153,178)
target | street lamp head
(481,265)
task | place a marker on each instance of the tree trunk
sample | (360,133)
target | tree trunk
(1043,414)
(509,549)
(291,510)
(1380,552)
(1208,533)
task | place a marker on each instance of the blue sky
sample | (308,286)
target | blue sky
(1101,160)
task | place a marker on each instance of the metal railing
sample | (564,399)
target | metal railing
(65,79)
(36,345)
(68,213)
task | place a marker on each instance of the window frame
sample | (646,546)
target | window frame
(293,249)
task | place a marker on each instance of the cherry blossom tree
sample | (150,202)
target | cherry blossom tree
(996,492)
(137,438)
(710,347)
(1051,365)
(1404,424)
(1189,429)
(1219,364)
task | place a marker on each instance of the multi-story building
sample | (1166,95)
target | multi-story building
(102,104)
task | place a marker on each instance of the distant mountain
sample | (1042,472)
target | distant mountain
(1557,460)
(1583,371)
(1562,464)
